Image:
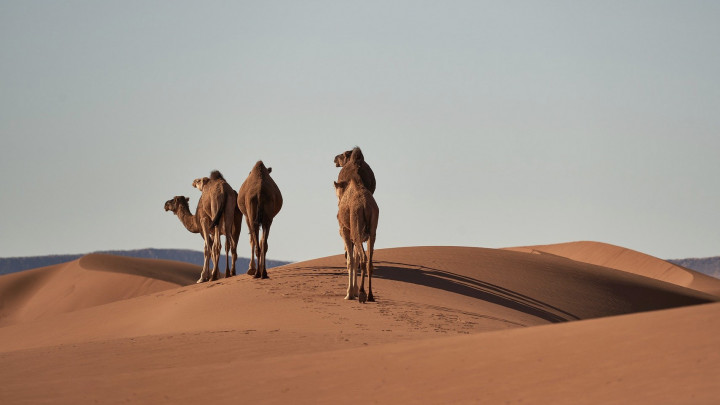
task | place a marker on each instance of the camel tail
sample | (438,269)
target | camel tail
(219,214)
(259,213)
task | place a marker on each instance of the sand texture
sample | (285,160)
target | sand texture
(580,323)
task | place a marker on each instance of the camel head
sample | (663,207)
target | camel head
(349,155)
(200,183)
(260,168)
(342,158)
(175,204)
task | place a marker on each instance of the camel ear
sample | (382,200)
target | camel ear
(187,199)
(341,185)
(269,169)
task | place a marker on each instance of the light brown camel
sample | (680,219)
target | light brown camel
(358,218)
(346,160)
(211,208)
(260,200)
(180,207)
(353,165)
(230,218)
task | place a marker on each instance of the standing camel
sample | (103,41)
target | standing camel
(180,207)
(260,200)
(211,208)
(358,218)
(231,215)
(353,164)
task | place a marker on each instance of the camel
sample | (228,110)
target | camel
(232,236)
(230,221)
(346,160)
(353,164)
(358,218)
(260,200)
(180,207)
(210,210)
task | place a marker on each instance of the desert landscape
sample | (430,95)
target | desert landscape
(581,322)
(532,218)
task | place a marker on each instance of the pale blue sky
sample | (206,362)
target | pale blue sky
(487,124)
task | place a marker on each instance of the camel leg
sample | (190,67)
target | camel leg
(360,253)
(216,246)
(251,265)
(206,254)
(206,264)
(235,236)
(370,268)
(350,262)
(256,249)
(233,250)
(228,241)
(264,249)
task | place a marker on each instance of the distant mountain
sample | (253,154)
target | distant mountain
(15,264)
(707,265)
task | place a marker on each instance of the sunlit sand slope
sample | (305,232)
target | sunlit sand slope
(629,260)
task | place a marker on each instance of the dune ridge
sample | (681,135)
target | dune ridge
(616,257)
(92,280)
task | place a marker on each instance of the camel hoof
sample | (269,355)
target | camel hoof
(251,272)
(264,275)
(349,297)
(362,297)
(371,298)
(200,281)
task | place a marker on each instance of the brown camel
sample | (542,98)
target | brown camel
(211,208)
(260,200)
(191,223)
(358,218)
(180,207)
(230,218)
(353,165)
(353,161)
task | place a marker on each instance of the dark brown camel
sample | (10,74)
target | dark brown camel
(260,200)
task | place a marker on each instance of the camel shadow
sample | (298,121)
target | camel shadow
(470,287)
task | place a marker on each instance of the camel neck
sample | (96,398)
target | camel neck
(188,219)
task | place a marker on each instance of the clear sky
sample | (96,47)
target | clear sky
(487,124)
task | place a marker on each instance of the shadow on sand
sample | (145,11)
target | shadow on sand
(470,287)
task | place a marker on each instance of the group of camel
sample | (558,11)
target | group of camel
(220,210)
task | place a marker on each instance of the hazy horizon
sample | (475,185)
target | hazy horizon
(488,124)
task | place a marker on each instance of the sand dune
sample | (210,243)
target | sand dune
(616,257)
(450,325)
(92,280)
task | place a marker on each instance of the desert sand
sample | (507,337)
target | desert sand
(579,323)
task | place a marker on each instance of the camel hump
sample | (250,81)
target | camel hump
(216,175)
